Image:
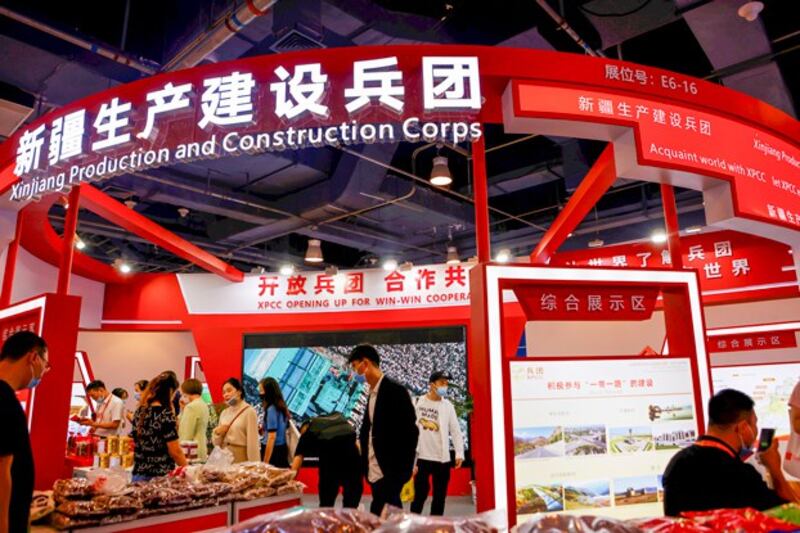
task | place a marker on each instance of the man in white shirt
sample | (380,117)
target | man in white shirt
(437,421)
(108,414)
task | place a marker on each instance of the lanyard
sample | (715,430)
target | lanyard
(102,409)
(715,444)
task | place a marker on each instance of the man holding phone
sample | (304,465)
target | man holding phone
(711,474)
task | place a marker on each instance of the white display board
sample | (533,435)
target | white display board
(770,386)
(594,436)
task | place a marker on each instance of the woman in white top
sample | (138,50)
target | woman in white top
(238,425)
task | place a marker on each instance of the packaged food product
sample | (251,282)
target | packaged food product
(789,512)
(293,487)
(398,521)
(261,492)
(42,505)
(105,460)
(82,508)
(66,489)
(118,504)
(127,460)
(576,524)
(62,521)
(112,444)
(125,445)
(746,520)
(669,525)
(300,520)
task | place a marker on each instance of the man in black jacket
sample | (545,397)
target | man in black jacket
(388,433)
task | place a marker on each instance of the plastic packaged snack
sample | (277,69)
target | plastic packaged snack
(669,525)
(746,520)
(66,489)
(789,512)
(82,509)
(42,505)
(293,487)
(118,504)
(576,524)
(398,521)
(107,480)
(299,520)
(62,521)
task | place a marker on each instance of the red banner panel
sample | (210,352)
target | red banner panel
(743,342)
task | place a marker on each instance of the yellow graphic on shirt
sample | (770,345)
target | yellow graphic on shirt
(428,418)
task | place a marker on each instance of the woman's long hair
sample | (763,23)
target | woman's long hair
(160,389)
(274,396)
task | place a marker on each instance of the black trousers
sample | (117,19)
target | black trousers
(280,455)
(440,472)
(334,475)
(386,491)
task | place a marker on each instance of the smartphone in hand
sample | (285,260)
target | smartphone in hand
(765,439)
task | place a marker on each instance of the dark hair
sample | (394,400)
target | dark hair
(160,389)
(119,392)
(274,396)
(142,384)
(192,386)
(94,385)
(728,407)
(235,383)
(19,344)
(365,351)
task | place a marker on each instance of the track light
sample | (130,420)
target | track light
(750,10)
(405,266)
(79,244)
(123,266)
(314,251)
(183,212)
(440,174)
(452,256)
(287,270)
(503,256)
(130,204)
(694,229)
(390,265)
(596,243)
(331,270)
(658,237)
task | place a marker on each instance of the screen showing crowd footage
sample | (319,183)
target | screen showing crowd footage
(315,378)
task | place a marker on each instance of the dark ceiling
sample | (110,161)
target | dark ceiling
(343,200)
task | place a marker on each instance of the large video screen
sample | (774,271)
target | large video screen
(770,386)
(595,436)
(314,376)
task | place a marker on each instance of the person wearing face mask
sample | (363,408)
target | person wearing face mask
(276,419)
(138,389)
(388,433)
(23,362)
(109,411)
(711,474)
(193,422)
(438,423)
(238,424)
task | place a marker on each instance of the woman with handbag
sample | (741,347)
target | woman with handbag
(238,424)
(275,450)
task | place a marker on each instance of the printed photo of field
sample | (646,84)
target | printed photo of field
(630,439)
(540,499)
(585,440)
(633,490)
(533,443)
(587,495)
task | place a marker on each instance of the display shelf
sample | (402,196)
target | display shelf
(241,511)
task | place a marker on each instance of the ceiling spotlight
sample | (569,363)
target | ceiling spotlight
(314,251)
(123,266)
(503,256)
(182,211)
(130,204)
(390,265)
(331,270)
(570,235)
(440,174)
(452,256)
(750,10)
(79,244)
(658,237)
(405,266)
(258,270)
(694,229)
(287,270)
(473,259)
(596,243)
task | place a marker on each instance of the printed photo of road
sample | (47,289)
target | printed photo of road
(633,490)
(668,411)
(674,438)
(587,495)
(630,439)
(533,443)
(540,499)
(585,440)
